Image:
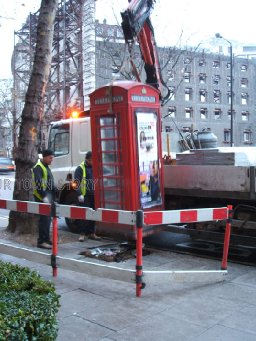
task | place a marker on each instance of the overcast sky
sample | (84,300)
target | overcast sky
(197,21)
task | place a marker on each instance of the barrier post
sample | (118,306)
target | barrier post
(54,240)
(224,264)
(139,225)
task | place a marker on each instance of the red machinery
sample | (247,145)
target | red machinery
(137,26)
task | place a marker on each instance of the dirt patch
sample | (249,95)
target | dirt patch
(31,239)
(113,253)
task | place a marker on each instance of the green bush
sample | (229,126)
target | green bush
(28,305)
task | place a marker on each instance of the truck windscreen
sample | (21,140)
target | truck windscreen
(59,139)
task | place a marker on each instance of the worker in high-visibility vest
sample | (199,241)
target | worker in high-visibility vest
(85,190)
(44,192)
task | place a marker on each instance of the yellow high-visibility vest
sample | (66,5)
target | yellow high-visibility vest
(44,180)
(83,181)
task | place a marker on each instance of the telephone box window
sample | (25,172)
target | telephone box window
(110,153)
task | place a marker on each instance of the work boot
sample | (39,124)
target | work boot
(93,236)
(81,237)
(44,246)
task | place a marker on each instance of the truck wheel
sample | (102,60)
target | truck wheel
(71,199)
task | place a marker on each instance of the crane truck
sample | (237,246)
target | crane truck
(211,177)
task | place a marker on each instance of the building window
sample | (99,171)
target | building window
(228,66)
(229,114)
(202,62)
(168,129)
(216,64)
(187,76)
(188,94)
(99,30)
(111,32)
(115,71)
(172,111)
(216,96)
(203,113)
(188,112)
(244,98)
(202,78)
(229,81)
(216,79)
(202,95)
(187,60)
(172,93)
(245,115)
(227,136)
(119,33)
(229,97)
(186,129)
(244,82)
(171,75)
(247,136)
(217,114)
(244,67)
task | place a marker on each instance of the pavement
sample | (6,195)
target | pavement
(98,300)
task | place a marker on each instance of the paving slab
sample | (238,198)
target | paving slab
(105,309)
(222,333)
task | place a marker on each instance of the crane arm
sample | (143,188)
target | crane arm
(136,25)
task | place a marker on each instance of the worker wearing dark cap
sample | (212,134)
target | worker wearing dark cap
(85,192)
(44,192)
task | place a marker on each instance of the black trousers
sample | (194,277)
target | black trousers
(44,224)
(87,226)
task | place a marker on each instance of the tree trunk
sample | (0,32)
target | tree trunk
(27,152)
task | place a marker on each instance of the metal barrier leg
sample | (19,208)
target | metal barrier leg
(224,264)
(54,240)
(54,246)
(139,224)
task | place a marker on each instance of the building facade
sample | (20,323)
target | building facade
(201,97)
(93,54)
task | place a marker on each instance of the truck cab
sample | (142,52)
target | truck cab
(70,140)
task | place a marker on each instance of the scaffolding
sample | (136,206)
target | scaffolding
(65,86)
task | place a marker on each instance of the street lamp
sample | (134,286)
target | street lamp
(218,35)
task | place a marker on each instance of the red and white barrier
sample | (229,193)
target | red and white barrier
(101,214)
(26,206)
(135,218)
(118,216)
(185,216)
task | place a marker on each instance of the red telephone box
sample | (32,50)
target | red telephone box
(126,147)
